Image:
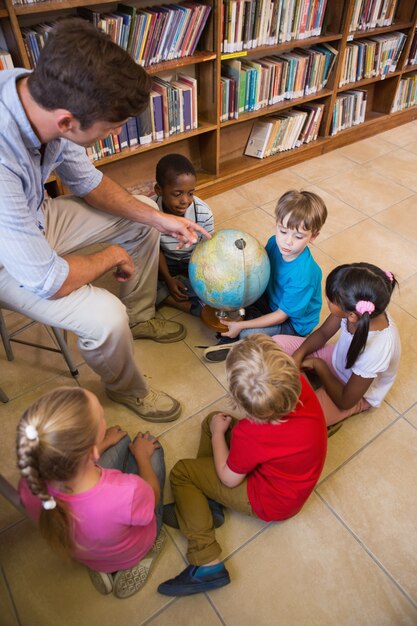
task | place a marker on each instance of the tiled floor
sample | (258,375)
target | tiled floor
(349,557)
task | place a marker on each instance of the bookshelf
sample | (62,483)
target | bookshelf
(217,147)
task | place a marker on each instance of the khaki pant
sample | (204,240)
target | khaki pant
(97,317)
(195,480)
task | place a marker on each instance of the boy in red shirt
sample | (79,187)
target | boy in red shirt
(265,465)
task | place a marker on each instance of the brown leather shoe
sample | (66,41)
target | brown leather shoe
(158,329)
(156,406)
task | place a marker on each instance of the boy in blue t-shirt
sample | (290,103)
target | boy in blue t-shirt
(292,301)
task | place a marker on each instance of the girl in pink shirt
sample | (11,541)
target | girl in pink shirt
(95,493)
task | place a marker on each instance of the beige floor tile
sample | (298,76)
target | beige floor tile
(322,167)
(270,188)
(401,218)
(255,222)
(48,591)
(367,149)
(356,432)
(406,295)
(373,243)
(411,416)
(375,496)
(8,613)
(195,610)
(173,368)
(400,166)
(364,190)
(226,205)
(9,515)
(411,147)
(309,570)
(402,135)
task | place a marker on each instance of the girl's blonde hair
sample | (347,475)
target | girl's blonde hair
(62,432)
(263,380)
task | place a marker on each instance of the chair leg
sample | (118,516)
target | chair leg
(5,338)
(64,349)
(3,396)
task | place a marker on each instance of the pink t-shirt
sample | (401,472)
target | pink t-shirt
(283,462)
(114,522)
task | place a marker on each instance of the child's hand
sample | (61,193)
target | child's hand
(144,445)
(309,363)
(220,423)
(113,435)
(177,289)
(234,329)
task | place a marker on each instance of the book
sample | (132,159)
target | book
(258,138)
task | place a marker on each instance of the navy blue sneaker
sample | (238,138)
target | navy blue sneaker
(196,580)
(170,517)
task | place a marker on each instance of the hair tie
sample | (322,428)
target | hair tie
(31,432)
(390,275)
(364,306)
(49,504)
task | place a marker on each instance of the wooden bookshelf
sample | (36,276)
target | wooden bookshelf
(216,147)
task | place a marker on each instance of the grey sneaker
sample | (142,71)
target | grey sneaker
(156,406)
(102,581)
(129,581)
(158,329)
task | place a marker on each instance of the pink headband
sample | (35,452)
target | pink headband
(364,306)
(390,275)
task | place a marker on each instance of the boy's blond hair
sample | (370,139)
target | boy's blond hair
(303,208)
(263,380)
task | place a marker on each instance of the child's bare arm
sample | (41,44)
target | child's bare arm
(344,396)
(317,339)
(219,425)
(270,319)
(142,448)
(176,287)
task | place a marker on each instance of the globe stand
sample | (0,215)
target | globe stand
(213,318)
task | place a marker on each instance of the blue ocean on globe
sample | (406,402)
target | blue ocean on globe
(229,271)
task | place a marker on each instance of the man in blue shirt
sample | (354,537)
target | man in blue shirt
(83,88)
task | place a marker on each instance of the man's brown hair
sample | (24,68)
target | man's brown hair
(81,70)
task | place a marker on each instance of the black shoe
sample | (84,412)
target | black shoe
(170,518)
(189,581)
(218,353)
(331,430)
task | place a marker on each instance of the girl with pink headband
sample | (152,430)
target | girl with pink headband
(358,370)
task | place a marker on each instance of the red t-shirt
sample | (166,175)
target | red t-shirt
(282,461)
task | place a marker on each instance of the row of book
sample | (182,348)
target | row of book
(406,95)
(247,24)
(150,36)
(6,62)
(368,14)
(252,85)
(376,56)
(277,133)
(156,34)
(172,109)
(349,110)
(412,55)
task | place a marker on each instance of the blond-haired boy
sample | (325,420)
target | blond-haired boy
(264,465)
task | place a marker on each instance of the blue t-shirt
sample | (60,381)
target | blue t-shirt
(295,288)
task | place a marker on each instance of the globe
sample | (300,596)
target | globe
(229,271)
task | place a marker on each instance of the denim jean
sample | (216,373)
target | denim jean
(119,457)
(259,308)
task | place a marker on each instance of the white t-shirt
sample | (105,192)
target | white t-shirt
(379,360)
